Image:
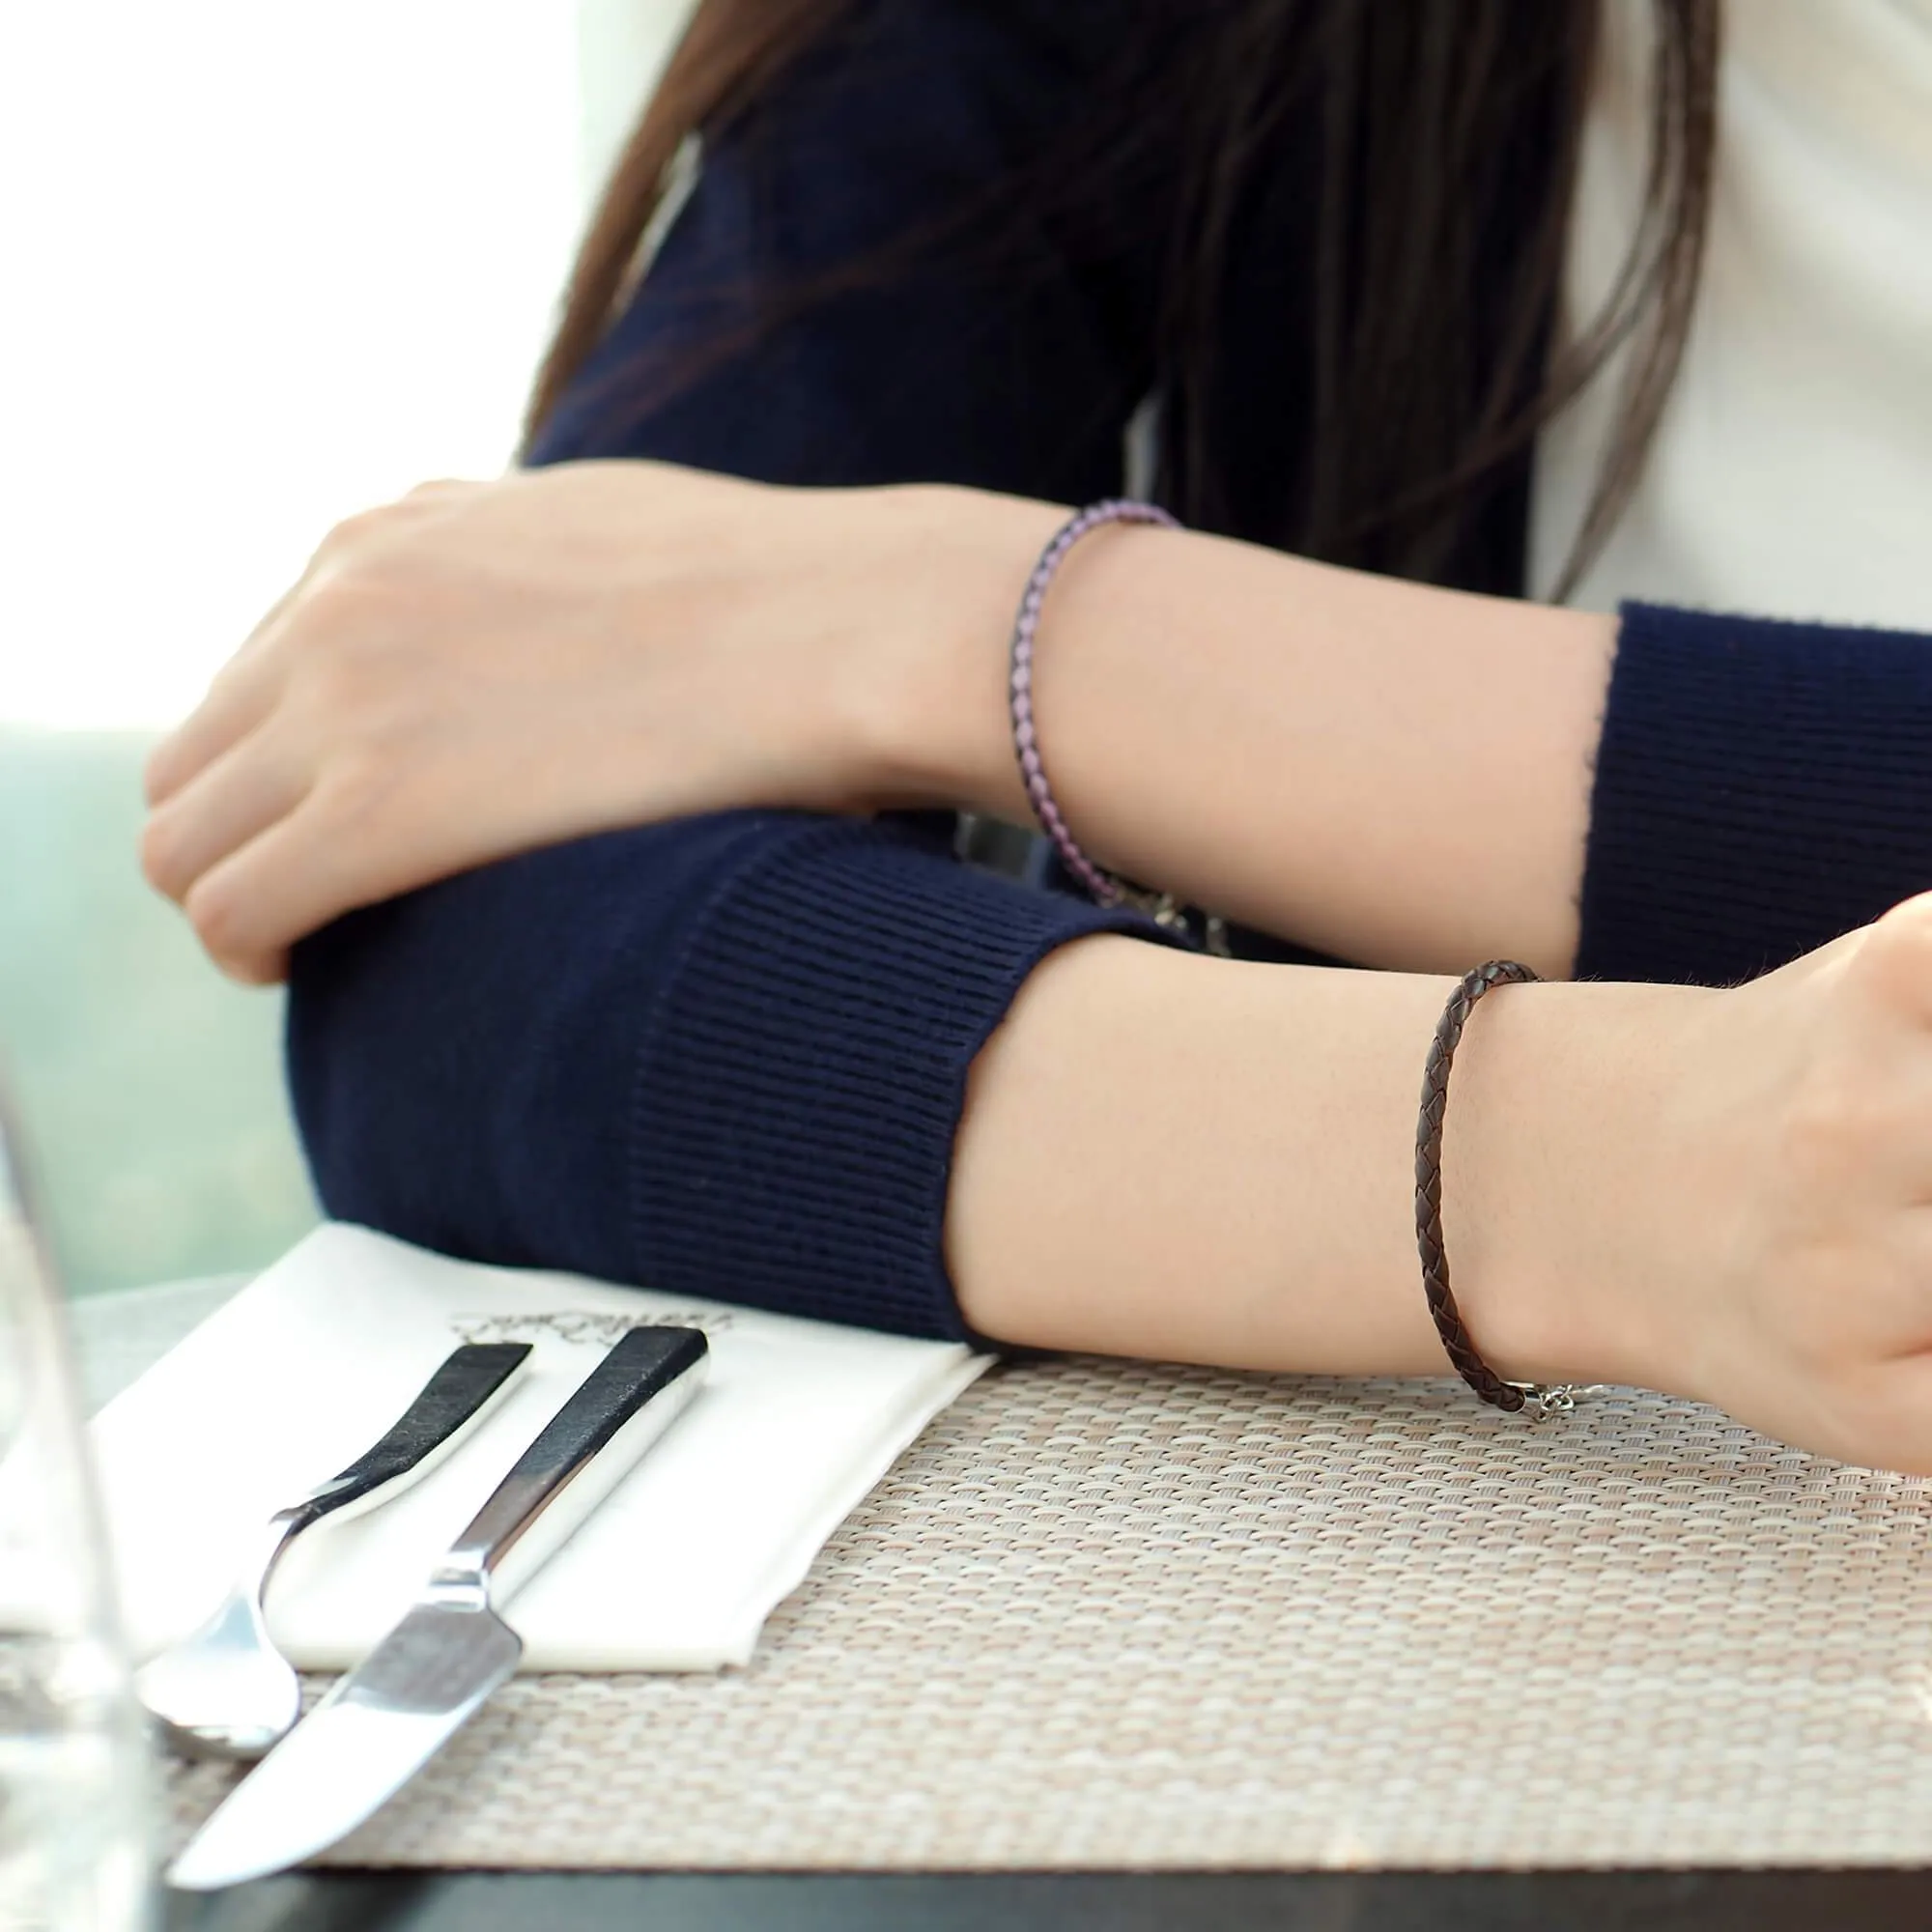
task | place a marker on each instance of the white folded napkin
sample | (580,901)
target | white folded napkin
(311,1362)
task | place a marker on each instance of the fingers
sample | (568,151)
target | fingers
(259,852)
(250,907)
(245,689)
(1819,1189)
(244,693)
(225,804)
(353,837)
(238,701)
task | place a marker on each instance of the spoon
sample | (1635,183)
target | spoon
(225,1690)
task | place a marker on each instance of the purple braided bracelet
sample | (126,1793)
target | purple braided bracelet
(1105,889)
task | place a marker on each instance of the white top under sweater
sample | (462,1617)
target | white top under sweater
(1791,473)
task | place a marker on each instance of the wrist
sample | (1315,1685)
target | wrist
(1560,1171)
(933,706)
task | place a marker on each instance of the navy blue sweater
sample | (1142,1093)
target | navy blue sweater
(727,1055)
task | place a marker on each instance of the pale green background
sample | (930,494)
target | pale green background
(151,1088)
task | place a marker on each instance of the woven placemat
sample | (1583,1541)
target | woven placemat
(1108,1615)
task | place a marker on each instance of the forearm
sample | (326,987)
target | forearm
(1181,1158)
(1387,771)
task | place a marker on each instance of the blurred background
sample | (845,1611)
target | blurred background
(269,264)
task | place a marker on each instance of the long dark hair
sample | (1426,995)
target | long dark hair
(1428,356)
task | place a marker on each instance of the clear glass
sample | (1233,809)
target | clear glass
(76,1786)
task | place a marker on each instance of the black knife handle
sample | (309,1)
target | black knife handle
(454,1398)
(585,1449)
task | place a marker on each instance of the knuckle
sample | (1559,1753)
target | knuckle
(1837,1118)
(214,911)
(361,711)
(1894,960)
(158,849)
(344,601)
(335,672)
(359,791)
(158,772)
(354,533)
(348,662)
(1912,915)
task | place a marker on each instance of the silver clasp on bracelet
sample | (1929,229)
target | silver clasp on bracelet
(1168,911)
(1541,1400)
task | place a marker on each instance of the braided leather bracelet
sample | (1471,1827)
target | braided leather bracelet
(1540,1397)
(1103,887)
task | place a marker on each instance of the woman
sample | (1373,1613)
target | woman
(628,788)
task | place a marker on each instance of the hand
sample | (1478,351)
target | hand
(1735,1200)
(484,668)
(1809,1191)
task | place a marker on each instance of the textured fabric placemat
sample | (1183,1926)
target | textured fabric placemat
(1106,1615)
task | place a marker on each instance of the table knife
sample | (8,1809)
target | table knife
(391,1714)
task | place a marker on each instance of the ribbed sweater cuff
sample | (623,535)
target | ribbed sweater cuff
(1761,788)
(805,1069)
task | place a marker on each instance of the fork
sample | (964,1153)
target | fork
(225,1690)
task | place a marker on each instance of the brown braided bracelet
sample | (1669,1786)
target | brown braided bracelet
(1540,1397)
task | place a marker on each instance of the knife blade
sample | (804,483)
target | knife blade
(431,1674)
